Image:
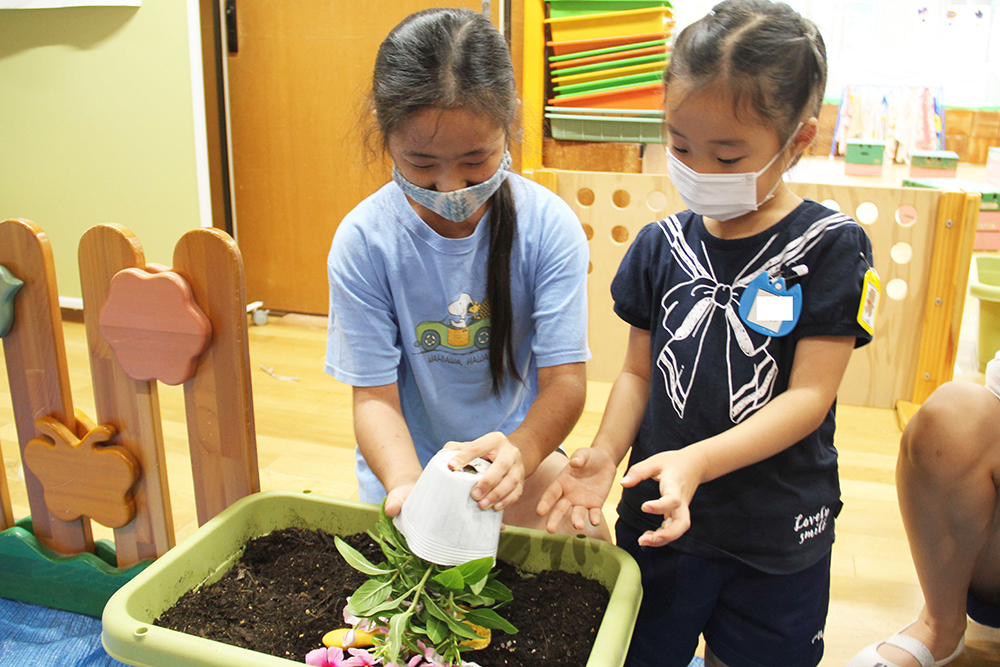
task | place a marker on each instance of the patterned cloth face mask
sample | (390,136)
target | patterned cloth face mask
(456,205)
(721,196)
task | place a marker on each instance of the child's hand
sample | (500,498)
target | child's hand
(582,487)
(679,474)
(503,481)
(395,498)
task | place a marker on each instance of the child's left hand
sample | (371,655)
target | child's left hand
(679,474)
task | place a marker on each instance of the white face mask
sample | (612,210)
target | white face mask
(456,205)
(721,196)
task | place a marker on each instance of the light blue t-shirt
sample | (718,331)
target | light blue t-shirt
(407,306)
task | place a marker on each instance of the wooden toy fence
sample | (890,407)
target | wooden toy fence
(218,400)
(922,241)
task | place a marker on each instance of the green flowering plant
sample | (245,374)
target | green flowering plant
(420,607)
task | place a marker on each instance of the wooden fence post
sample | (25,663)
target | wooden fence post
(219,398)
(953,240)
(37,371)
(131,406)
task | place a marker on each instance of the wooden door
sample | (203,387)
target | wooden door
(297,85)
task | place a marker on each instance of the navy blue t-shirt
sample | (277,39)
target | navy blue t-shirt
(710,371)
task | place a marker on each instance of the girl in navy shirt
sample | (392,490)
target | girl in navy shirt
(744,311)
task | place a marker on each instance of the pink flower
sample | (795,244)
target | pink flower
(350,618)
(365,625)
(328,657)
(362,658)
(435,659)
(334,657)
(415,661)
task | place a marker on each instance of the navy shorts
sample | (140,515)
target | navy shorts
(983,613)
(749,618)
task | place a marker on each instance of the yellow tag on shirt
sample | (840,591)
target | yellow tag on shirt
(870,295)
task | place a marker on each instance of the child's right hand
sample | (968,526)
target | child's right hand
(582,487)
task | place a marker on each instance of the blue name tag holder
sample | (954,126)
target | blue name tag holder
(771,308)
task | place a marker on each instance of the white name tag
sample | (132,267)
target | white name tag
(773,308)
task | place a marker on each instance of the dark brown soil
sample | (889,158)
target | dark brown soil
(290,588)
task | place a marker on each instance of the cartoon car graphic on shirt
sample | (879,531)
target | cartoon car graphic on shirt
(467,326)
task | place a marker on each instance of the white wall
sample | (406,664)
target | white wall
(99,124)
(953,45)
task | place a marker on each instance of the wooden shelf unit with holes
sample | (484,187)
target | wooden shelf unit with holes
(922,242)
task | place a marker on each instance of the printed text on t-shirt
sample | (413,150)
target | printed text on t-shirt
(809,527)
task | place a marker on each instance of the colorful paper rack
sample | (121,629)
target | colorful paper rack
(605,67)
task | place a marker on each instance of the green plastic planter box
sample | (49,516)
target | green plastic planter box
(987,290)
(130,636)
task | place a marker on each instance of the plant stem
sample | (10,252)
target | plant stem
(389,651)
(420,586)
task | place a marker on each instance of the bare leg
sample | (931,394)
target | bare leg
(522,513)
(946,478)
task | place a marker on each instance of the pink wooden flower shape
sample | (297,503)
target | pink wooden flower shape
(154,325)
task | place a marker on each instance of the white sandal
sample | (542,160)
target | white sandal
(869,656)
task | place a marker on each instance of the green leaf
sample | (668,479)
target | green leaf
(463,630)
(397,626)
(416,629)
(453,655)
(410,643)
(457,627)
(371,594)
(389,550)
(381,609)
(494,589)
(470,600)
(437,630)
(387,529)
(478,586)
(451,578)
(476,571)
(356,560)
(488,618)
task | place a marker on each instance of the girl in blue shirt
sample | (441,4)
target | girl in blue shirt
(458,290)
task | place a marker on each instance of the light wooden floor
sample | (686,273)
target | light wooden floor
(305,441)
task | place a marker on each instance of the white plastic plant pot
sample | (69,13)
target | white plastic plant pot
(440,520)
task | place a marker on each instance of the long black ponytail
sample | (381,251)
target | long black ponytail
(448,59)
(498,287)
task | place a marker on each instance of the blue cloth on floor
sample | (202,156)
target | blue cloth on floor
(31,635)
